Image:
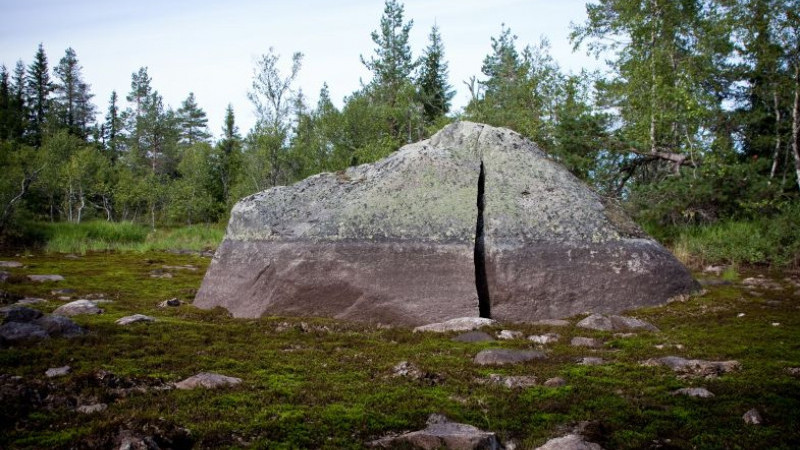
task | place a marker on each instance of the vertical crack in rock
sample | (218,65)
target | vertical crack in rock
(481,284)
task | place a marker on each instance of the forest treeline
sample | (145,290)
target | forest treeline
(696,120)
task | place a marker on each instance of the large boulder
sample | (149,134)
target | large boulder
(475,221)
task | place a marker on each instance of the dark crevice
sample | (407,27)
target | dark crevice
(482,285)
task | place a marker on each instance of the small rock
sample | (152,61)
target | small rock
(715,270)
(127,320)
(570,442)
(62,292)
(794,371)
(624,335)
(509,334)
(694,392)
(91,409)
(457,324)
(19,314)
(600,322)
(474,336)
(30,301)
(579,341)
(590,361)
(694,367)
(45,278)
(10,264)
(207,380)
(740,315)
(763,283)
(173,302)
(500,356)
(512,382)
(548,338)
(60,326)
(442,433)
(4,276)
(776,324)
(78,307)
(555,382)
(752,417)
(57,371)
(407,370)
(552,323)
(186,267)
(15,332)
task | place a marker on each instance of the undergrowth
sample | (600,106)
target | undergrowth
(63,237)
(321,383)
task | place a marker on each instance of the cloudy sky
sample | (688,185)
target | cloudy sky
(210,47)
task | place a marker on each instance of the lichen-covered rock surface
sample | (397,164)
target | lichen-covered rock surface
(395,241)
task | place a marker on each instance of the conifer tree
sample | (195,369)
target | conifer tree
(392,63)
(38,89)
(193,122)
(73,105)
(435,91)
(112,127)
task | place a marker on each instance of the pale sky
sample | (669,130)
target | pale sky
(210,47)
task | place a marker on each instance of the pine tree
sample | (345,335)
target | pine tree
(393,63)
(112,127)
(38,89)
(73,105)
(193,122)
(434,89)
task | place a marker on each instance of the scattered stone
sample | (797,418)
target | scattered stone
(151,435)
(127,320)
(752,417)
(776,324)
(694,367)
(570,442)
(4,276)
(500,356)
(457,324)
(509,334)
(30,301)
(78,307)
(442,433)
(555,382)
(624,335)
(10,264)
(19,314)
(474,336)
(548,338)
(97,297)
(173,302)
(188,267)
(59,326)
(794,371)
(714,270)
(694,392)
(91,409)
(45,278)
(62,292)
(511,382)
(740,315)
(57,371)
(407,370)
(590,361)
(600,322)
(16,332)
(552,323)
(762,283)
(580,341)
(207,380)
(159,273)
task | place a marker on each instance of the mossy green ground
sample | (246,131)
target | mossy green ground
(315,383)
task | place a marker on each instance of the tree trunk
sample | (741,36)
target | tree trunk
(796,124)
(777,151)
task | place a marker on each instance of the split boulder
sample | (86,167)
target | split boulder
(475,221)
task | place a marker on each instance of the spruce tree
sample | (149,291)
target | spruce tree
(112,127)
(73,105)
(38,89)
(434,89)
